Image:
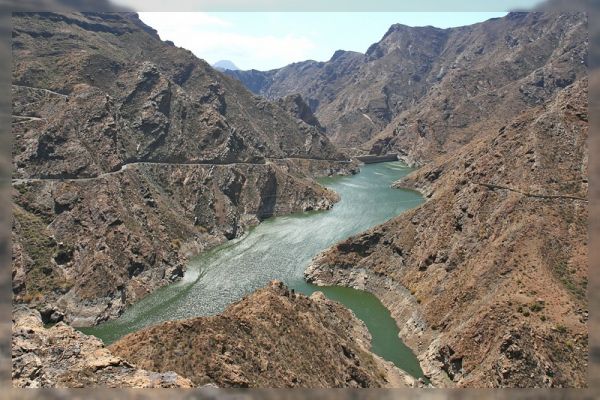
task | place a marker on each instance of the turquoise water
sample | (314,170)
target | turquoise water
(281,248)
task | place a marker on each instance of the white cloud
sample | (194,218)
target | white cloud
(178,21)
(214,39)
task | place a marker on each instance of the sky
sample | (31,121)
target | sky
(269,40)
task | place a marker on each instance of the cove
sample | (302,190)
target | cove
(281,248)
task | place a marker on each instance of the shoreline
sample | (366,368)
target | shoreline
(403,307)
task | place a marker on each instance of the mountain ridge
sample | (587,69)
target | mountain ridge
(363,99)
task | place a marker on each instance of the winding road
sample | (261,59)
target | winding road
(124,167)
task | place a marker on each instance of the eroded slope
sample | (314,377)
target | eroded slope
(487,280)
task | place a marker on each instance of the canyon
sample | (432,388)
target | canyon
(131,156)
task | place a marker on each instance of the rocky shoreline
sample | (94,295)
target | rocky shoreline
(62,214)
(487,278)
(59,356)
(402,305)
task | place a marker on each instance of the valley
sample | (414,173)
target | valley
(191,226)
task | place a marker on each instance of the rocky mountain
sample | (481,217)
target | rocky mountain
(131,154)
(425,91)
(272,338)
(225,65)
(488,278)
(61,357)
(116,94)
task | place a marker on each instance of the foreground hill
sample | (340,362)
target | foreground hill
(424,91)
(488,278)
(272,338)
(131,154)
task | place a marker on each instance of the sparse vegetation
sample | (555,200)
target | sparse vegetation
(536,306)
(565,275)
(561,328)
(40,247)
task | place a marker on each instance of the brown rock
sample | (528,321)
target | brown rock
(132,154)
(62,357)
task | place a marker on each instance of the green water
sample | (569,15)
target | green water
(281,248)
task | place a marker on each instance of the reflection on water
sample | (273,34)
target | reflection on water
(281,248)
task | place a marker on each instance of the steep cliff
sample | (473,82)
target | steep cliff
(92,92)
(131,154)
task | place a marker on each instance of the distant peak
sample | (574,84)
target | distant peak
(338,54)
(406,28)
(225,65)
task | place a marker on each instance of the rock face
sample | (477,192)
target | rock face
(62,357)
(424,91)
(295,105)
(488,278)
(272,338)
(92,92)
(131,154)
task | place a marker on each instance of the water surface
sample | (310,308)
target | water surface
(281,248)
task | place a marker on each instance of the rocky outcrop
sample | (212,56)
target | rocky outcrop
(295,105)
(272,338)
(487,279)
(487,74)
(61,357)
(131,154)
(425,91)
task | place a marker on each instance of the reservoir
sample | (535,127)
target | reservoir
(281,248)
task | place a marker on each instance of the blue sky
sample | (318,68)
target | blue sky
(264,40)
